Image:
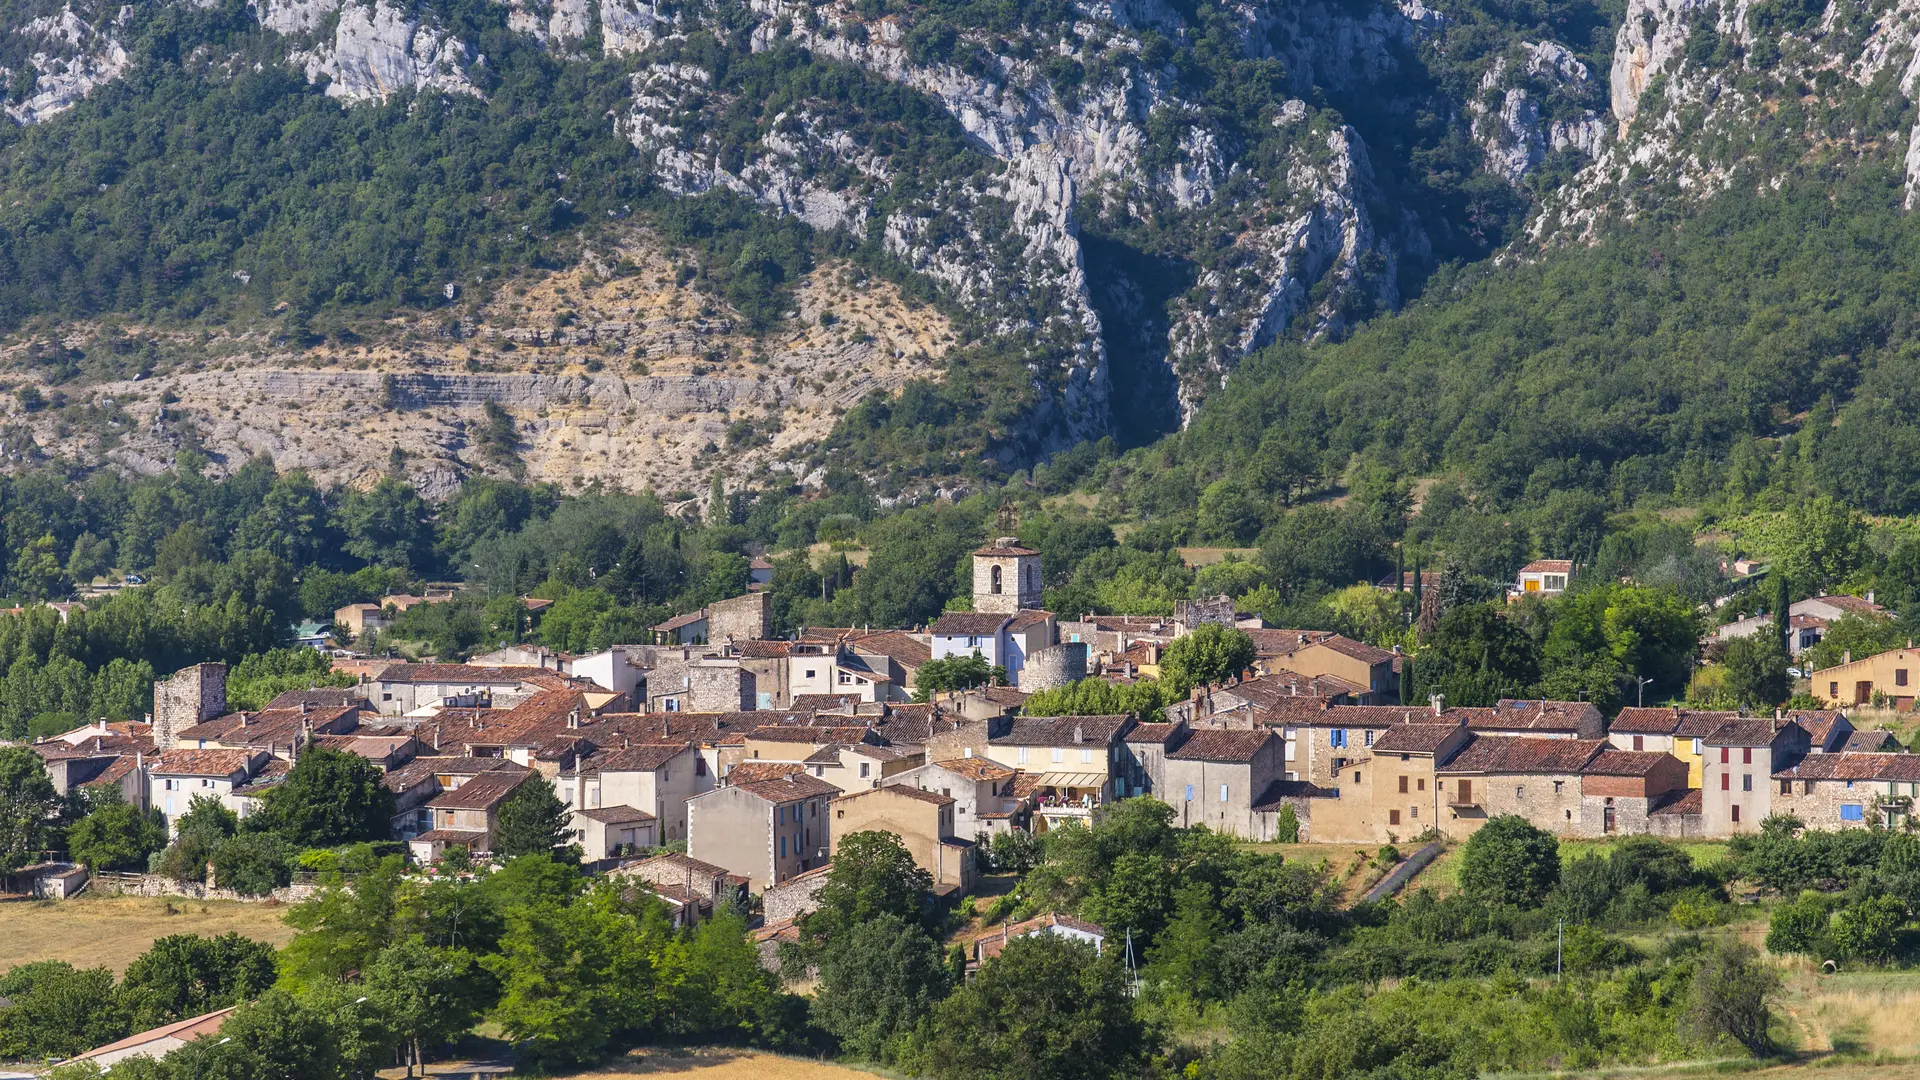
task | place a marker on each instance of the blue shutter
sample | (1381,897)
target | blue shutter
(1851,812)
(1189,792)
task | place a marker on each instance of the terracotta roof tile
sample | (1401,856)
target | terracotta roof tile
(976,768)
(1414,738)
(1064,731)
(1523,754)
(789,788)
(483,792)
(1626,763)
(1211,745)
(902,790)
(968,624)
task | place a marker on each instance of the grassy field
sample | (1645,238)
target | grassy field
(720,1064)
(113,930)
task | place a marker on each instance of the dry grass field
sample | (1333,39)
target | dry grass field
(113,930)
(720,1064)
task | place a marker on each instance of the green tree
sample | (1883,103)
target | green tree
(873,874)
(251,864)
(1799,926)
(27,806)
(1756,668)
(1047,1008)
(1510,861)
(1827,543)
(428,996)
(1869,929)
(261,677)
(58,1011)
(275,1036)
(1733,993)
(955,673)
(575,977)
(1184,958)
(116,835)
(877,979)
(1208,655)
(186,975)
(328,798)
(196,833)
(388,525)
(1475,656)
(532,820)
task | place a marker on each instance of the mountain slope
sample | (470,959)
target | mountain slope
(1247,172)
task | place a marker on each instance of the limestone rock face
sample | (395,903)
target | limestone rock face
(379,49)
(69,57)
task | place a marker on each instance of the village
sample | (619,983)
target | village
(751,756)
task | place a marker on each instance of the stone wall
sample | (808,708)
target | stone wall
(185,698)
(160,885)
(1192,613)
(794,897)
(718,686)
(743,618)
(1053,667)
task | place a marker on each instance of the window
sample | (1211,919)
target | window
(1086,757)
(993,578)
(699,765)
(1746,782)
(810,673)
(1420,784)
(1356,776)
(783,847)
(1393,817)
(1746,755)
(780,815)
(813,809)
(1786,787)
(1849,785)
(1023,755)
(1413,812)
(1059,754)
(1851,811)
(839,813)
(1900,676)
(1337,738)
(1639,742)
(1725,755)
(1189,792)
(1726,781)
(864,770)
(1833,689)
(1368,737)
(1736,814)
(1223,793)
(1806,787)
(1559,786)
(673,705)
(1519,791)
(1696,748)
(1403,785)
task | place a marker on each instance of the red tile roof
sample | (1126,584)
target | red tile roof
(1524,754)
(483,792)
(976,768)
(1414,738)
(1548,566)
(201,763)
(789,788)
(1211,745)
(902,790)
(968,624)
(1064,731)
(1627,763)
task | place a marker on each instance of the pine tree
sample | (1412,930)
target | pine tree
(1782,608)
(532,821)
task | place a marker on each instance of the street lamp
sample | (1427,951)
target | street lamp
(1641,682)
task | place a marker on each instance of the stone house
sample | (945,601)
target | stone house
(185,698)
(1146,746)
(1741,758)
(177,777)
(1537,778)
(466,815)
(741,618)
(924,822)
(1367,671)
(797,896)
(1807,621)
(657,778)
(857,765)
(1214,778)
(1391,790)
(1892,677)
(716,885)
(610,832)
(1849,789)
(355,620)
(1621,789)
(1675,731)
(982,793)
(1075,762)
(766,831)
(401,688)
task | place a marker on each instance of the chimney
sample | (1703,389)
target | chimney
(306,707)
(1847,657)
(1079,734)
(139,760)
(1439,703)
(436,738)
(573,718)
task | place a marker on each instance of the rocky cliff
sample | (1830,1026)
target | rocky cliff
(1133,196)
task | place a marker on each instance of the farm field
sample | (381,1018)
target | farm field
(112,930)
